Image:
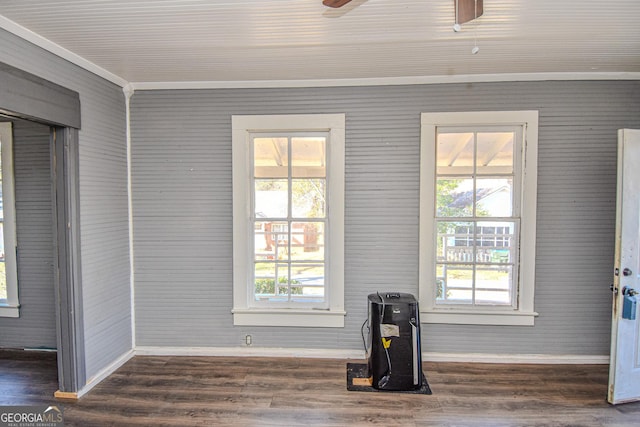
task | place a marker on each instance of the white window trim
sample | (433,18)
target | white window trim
(243,313)
(11,306)
(524,314)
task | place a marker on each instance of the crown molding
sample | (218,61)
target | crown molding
(384,81)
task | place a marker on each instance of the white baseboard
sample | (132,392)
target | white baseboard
(359,354)
(550,359)
(104,373)
(249,352)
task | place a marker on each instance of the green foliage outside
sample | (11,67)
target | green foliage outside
(446,192)
(310,193)
(445,196)
(439,289)
(268,286)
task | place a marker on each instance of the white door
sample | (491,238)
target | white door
(624,369)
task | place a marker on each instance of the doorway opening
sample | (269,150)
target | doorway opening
(28,100)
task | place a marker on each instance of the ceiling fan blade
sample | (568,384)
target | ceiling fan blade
(467,10)
(335,3)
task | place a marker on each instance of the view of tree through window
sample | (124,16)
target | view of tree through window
(289,221)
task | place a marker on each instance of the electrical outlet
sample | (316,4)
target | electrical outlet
(247,340)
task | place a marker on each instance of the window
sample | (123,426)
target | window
(9,305)
(478,213)
(288,207)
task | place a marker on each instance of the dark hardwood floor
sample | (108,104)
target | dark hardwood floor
(218,391)
(27,377)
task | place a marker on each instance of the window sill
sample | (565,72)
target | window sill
(297,318)
(461,317)
(9,311)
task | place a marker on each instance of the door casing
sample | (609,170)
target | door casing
(27,96)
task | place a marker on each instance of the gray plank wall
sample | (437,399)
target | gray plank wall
(36,326)
(103,199)
(183,218)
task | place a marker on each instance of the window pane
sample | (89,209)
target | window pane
(270,279)
(494,197)
(457,284)
(3,280)
(440,282)
(270,158)
(271,240)
(455,153)
(495,153)
(455,241)
(454,197)
(308,157)
(271,198)
(308,198)
(307,241)
(493,284)
(495,242)
(307,282)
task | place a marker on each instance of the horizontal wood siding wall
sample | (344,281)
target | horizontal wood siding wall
(36,326)
(183,219)
(103,199)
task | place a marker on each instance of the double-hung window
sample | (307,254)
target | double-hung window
(478,199)
(288,220)
(9,305)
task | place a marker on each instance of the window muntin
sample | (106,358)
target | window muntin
(289,219)
(476,215)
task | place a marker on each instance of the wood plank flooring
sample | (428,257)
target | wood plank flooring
(221,391)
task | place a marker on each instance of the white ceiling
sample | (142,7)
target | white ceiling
(275,40)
